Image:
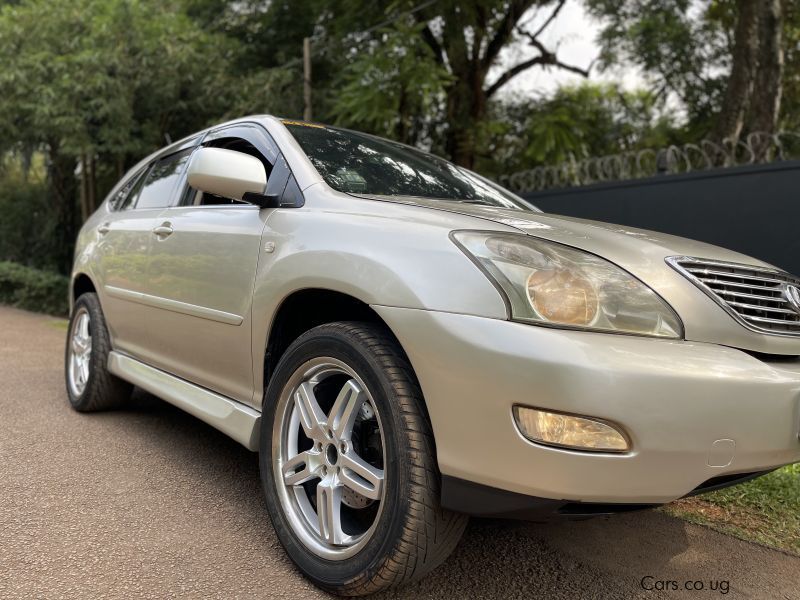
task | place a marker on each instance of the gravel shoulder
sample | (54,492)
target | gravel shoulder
(149,502)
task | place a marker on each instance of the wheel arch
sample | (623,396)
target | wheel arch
(80,284)
(307,308)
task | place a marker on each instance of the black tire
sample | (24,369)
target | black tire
(413,534)
(102,391)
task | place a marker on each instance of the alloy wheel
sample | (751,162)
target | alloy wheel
(80,352)
(328,451)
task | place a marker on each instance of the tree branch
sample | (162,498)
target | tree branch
(545,58)
(550,19)
(513,72)
(504,30)
(434,44)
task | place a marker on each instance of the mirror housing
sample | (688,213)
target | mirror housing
(226,173)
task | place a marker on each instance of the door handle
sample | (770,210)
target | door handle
(104,228)
(163,230)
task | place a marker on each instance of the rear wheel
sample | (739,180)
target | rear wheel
(90,387)
(348,462)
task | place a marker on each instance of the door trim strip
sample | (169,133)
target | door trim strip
(232,418)
(185,308)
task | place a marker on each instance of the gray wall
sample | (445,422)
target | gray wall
(752,209)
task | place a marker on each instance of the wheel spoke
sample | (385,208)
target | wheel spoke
(80,350)
(360,476)
(84,368)
(301,468)
(311,416)
(329,507)
(345,410)
(76,368)
(84,327)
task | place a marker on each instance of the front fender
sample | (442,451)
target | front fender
(380,253)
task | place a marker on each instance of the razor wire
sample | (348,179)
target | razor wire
(755,148)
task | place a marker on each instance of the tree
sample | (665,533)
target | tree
(465,42)
(768,81)
(470,42)
(574,123)
(391,87)
(790,105)
(421,71)
(95,86)
(723,59)
(739,89)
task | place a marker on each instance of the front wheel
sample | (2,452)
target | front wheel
(348,462)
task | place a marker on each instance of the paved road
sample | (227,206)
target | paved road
(151,503)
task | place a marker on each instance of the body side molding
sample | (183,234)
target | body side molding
(232,418)
(185,308)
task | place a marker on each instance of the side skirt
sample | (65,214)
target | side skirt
(232,418)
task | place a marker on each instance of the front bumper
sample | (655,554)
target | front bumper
(675,400)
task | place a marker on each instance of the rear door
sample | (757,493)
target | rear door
(124,242)
(201,273)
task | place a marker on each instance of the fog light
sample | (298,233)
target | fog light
(569,431)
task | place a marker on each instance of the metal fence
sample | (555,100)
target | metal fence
(755,148)
(753,208)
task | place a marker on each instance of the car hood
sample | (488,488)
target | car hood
(642,253)
(629,247)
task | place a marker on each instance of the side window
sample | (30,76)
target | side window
(158,186)
(121,199)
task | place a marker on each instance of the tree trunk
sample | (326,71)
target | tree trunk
(63,188)
(466,109)
(767,90)
(84,189)
(401,132)
(730,120)
(92,186)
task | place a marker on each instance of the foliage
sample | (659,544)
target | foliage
(103,83)
(377,64)
(33,289)
(28,224)
(391,87)
(91,86)
(791,79)
(90,74)
(576,122)
(683,54)
(685,49)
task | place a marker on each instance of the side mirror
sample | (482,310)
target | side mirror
(226,173)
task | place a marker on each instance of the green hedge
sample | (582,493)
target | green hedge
(32,289)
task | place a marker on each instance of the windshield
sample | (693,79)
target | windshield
(358,163)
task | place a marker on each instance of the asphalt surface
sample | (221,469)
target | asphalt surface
(151,503)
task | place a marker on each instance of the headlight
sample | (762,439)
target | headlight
(549,283)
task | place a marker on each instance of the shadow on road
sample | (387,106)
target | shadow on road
(154,502)
(604,557)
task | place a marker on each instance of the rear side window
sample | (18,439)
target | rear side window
(158,187)
(121,199)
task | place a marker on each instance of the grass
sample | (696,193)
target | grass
(765,510)
(60,324)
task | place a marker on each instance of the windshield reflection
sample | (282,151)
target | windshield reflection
(358,163)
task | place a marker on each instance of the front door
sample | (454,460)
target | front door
(201,277)
(201,274)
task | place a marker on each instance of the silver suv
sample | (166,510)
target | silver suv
(406,343)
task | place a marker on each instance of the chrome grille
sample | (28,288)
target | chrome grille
(755,296)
